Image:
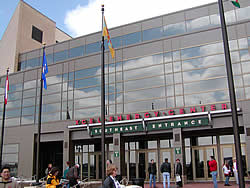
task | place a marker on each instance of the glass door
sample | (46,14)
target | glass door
(228,155)
(95,167)
(167,154)
(143,160)
(201,157)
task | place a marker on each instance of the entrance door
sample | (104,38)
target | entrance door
(201,157)
(167,154)
(95,167)
(143,161)
(228,155)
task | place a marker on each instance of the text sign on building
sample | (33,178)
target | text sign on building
(116,129)
(177,124)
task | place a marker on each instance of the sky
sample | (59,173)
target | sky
(81,17)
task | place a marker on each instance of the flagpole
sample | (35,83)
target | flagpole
(3,121)
(232,97)
(103,103)
(39,123)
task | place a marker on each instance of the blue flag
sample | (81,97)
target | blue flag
(45,70)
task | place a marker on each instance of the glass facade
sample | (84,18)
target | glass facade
(196,24)
(179,78)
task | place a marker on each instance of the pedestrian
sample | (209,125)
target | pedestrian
(166,172)
(53,179)
(235,170)
(178,173)
(152,172)
(226,172)
(213,169)
(66,170)
(47,171)
(110,181)
(5,180)
(72,175)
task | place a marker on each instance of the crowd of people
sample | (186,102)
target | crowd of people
(71,174)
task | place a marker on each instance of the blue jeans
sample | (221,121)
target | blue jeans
(166,174)
(214,175)
(227,180)
(152,178)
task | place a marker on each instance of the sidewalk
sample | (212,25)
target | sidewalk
(199,185)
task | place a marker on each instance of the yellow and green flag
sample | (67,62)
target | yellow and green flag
(105,33)
(236,3)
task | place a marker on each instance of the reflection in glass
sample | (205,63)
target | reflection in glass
(244,55)
(202,50)
(60,56)
(144,94)
(199,163)
(206,98)
(144,61)
(203,62)
(205,85)
(168,68)
(131,38)
(151,34)
(243,13)
(93,47)
(177,78)
(179,101)
(243,43)
(144,83)
(174,29)
(198,23)
(87,82)
(201,74)
(144,105)
(143,72)
(76,52)
(87,102)
(87,72)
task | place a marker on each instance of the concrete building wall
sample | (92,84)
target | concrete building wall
(61,36)
(9,46)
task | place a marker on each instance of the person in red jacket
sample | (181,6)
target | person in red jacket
(213,169)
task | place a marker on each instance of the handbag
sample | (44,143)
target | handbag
(178,178)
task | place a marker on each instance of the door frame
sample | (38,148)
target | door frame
(204,149)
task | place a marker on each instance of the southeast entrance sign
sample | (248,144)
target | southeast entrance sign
(152,126)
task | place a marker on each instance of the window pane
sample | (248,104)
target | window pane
(144,83)
(144,105)
(205,98)
(204,73)
(87,102)
(87,72)
(60,56)
(30,63)
(131,38)
(244,55)
(144,94)
(151,34)
(87,82)
(88,112)
(198,23)
(93,47)
(143,72)
(76,52)
(205,85)
(243,13)
(174,29)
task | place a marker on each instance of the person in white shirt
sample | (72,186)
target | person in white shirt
(226,171)
(110,181)
(235,169)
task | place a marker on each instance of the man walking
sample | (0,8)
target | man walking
(152,172)
(166,171)
(213,169)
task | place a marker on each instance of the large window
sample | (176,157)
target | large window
(37,34)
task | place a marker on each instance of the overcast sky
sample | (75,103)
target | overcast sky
(81,17)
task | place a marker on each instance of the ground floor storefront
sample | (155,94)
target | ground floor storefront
(140,150)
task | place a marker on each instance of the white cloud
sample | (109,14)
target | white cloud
(87,19)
